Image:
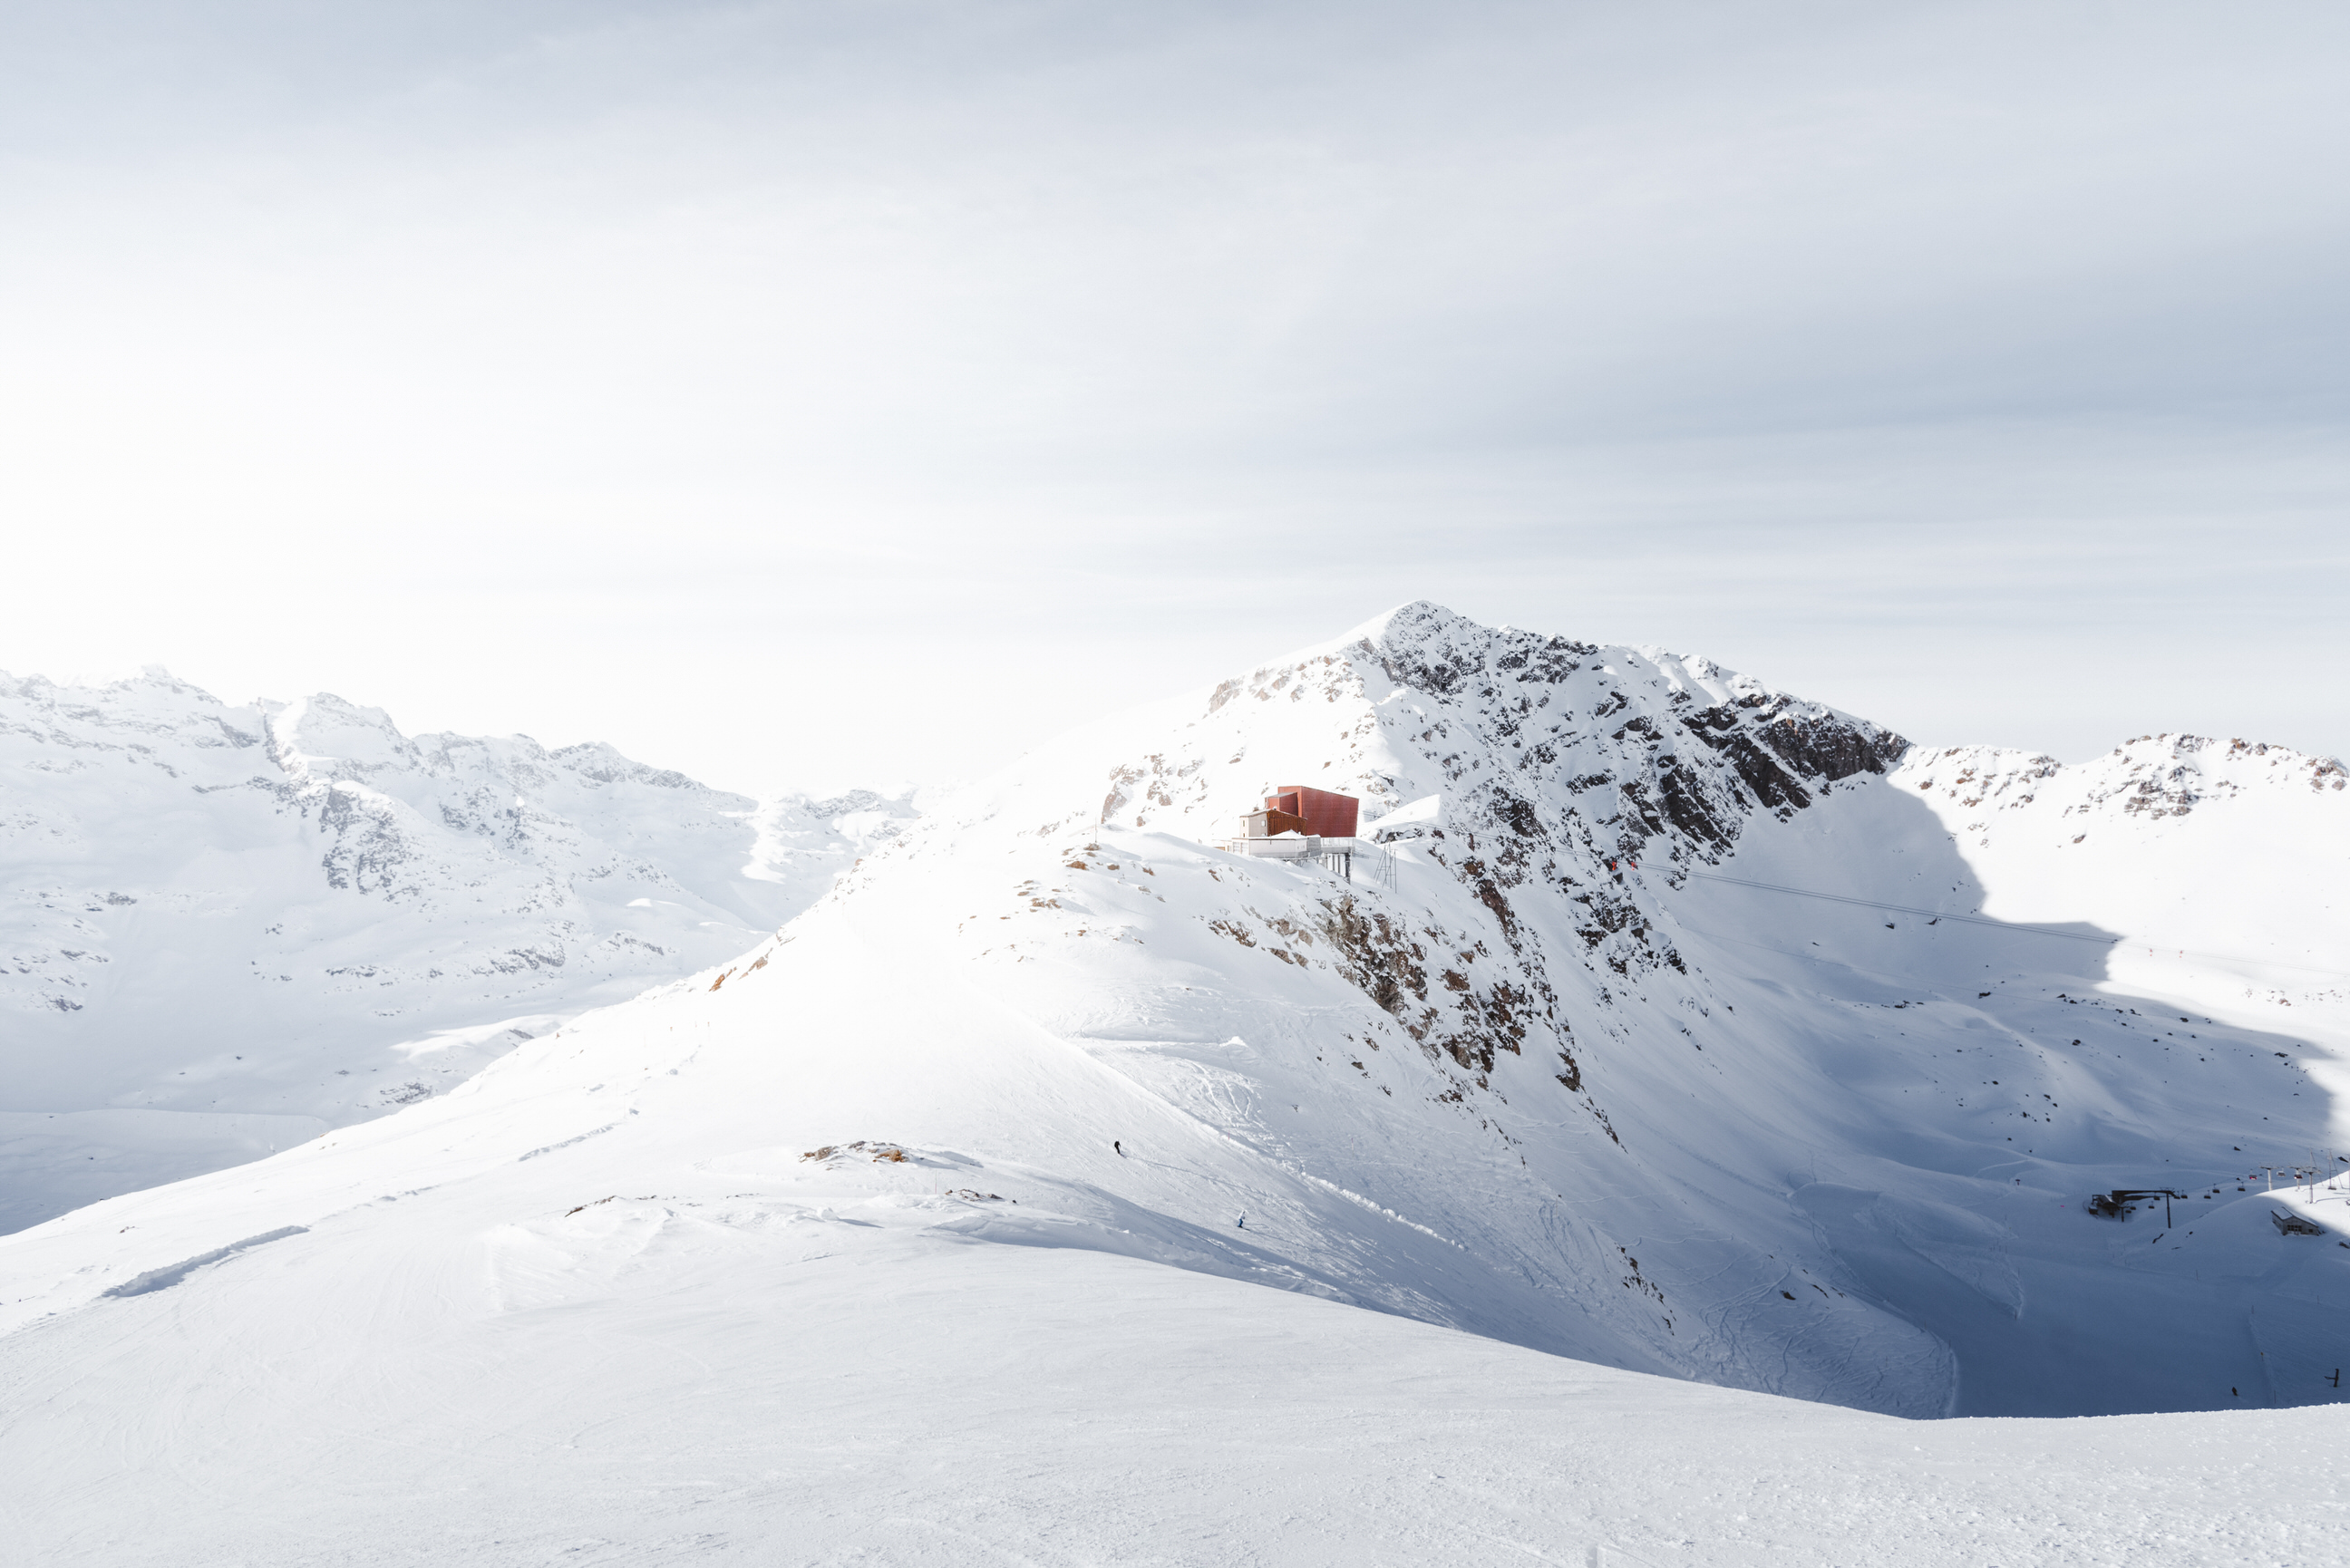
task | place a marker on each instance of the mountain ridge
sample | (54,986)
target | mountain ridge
(262,920)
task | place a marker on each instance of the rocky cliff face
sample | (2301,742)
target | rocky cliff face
(1563,785)
(1579,763)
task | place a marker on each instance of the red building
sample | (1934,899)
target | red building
(1295,808)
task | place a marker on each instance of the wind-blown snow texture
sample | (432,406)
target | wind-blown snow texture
(224,929)
(822,1236)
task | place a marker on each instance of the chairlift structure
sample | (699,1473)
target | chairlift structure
(2115,1205)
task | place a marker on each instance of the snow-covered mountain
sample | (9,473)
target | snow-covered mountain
(1698,1031)
(224,929)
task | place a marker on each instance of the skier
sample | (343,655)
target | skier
(1115,1149)
(1243,1221)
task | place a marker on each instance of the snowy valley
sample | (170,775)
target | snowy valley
(1699,1091)
(224,931)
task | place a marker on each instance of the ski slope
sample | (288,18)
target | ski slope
(1061,1188)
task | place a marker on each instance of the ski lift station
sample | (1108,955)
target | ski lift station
(1295,809)
(1298,823)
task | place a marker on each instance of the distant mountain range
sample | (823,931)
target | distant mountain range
(228,929)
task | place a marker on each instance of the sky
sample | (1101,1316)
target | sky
(808,394)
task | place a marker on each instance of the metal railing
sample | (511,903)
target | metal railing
(1342,855)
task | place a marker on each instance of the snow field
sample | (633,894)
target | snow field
(833,1371)
(913,1233)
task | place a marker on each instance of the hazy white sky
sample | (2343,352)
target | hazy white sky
(816,392)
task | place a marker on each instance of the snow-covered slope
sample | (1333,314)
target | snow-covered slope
(990,1138)
(689,1376)
(224,929)
(2224,861)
